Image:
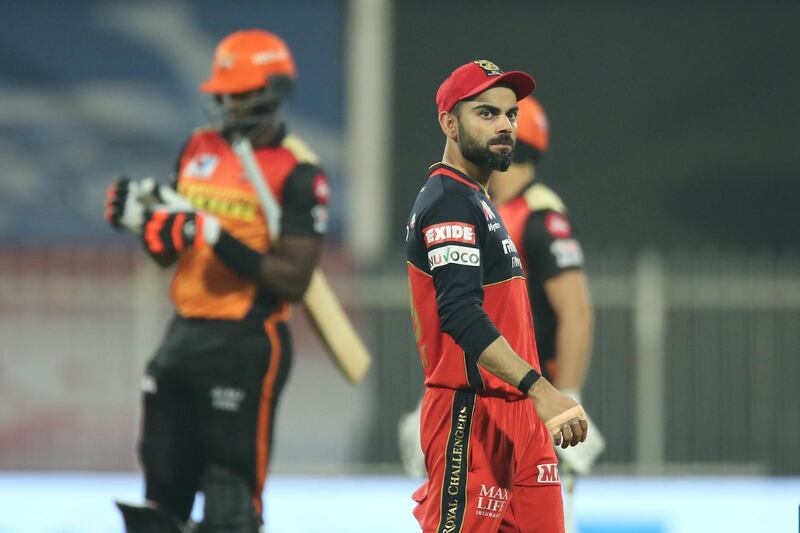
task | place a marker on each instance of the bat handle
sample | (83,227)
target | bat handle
(269,205)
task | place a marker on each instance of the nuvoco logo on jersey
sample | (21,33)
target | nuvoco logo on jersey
(454,255)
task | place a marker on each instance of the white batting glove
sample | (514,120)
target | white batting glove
(123,210)
(127,202)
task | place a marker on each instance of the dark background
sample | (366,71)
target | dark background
(672,123)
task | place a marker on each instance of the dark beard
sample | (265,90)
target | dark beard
(481,155)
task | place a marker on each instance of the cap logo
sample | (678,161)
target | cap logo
(488,67)
(226,60)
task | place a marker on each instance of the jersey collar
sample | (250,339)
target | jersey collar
(444,169)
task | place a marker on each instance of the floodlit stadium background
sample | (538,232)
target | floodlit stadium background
(674,131)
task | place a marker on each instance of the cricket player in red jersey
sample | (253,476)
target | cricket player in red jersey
(211,390)
(489,419)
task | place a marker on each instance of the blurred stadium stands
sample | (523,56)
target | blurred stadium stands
(708,333)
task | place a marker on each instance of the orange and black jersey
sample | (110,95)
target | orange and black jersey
(467,284)
(538,224)
(211,177)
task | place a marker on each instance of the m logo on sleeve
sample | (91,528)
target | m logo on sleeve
(487,211)
(449,232)
(454,255)
(548,473)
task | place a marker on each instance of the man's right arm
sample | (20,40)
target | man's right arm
(502,361)
(459,297)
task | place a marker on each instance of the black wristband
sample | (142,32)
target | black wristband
(528,380)
(237,256)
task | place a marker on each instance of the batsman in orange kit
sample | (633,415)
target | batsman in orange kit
(211,390)
(488,418)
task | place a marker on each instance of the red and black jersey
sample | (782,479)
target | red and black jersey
(538,224)
(467,284)
(211,177)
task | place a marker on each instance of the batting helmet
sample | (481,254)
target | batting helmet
(533,131)
(246,60)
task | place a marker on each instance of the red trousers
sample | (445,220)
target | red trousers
(491,466)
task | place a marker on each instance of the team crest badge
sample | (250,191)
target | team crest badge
(202,166)
(488,67)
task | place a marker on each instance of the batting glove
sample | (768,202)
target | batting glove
(123,208)
(127,202)
(168,229)
(580,458)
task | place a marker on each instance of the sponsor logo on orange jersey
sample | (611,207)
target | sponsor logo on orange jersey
(202,166)
(236,204)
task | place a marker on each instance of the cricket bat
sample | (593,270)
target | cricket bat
(326,315)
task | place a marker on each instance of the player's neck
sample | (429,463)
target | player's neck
(454,158)
(265,135)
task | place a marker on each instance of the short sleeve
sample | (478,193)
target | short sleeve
(306,194)
(550,246)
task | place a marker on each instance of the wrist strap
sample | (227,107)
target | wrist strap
(528,380)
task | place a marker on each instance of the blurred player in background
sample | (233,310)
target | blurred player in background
(211,390)
(488,418)
(552,259)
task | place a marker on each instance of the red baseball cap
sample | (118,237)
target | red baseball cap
(477,76)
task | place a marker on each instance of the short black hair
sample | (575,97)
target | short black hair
(457,108)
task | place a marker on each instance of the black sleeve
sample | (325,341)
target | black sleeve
(550,247)
(305,202)
(452,232)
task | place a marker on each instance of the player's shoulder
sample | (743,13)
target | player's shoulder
(300,150)
(441,193)
(205,140)
(548,224)
(541,198)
